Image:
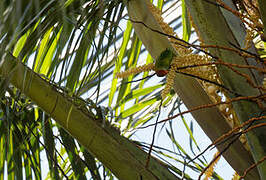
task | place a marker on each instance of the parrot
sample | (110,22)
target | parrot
(163,62)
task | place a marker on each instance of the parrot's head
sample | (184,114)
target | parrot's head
(162,64)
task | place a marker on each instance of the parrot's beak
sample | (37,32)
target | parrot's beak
(161,73)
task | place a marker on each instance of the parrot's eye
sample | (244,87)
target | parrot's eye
(161,73)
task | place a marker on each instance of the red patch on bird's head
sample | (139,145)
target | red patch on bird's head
(161,73)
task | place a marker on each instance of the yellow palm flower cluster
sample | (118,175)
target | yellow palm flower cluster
(208,173)
(189,62)
(186,58)
(170,78)
(136,70)
(212,89)
(157,14)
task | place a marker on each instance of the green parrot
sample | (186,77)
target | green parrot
(162,64)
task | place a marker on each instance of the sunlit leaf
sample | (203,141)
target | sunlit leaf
(185,22)
(118,64)
(137,107)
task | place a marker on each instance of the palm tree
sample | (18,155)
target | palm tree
(56,53)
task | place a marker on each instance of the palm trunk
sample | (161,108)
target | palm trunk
(215,30)
(122,157)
